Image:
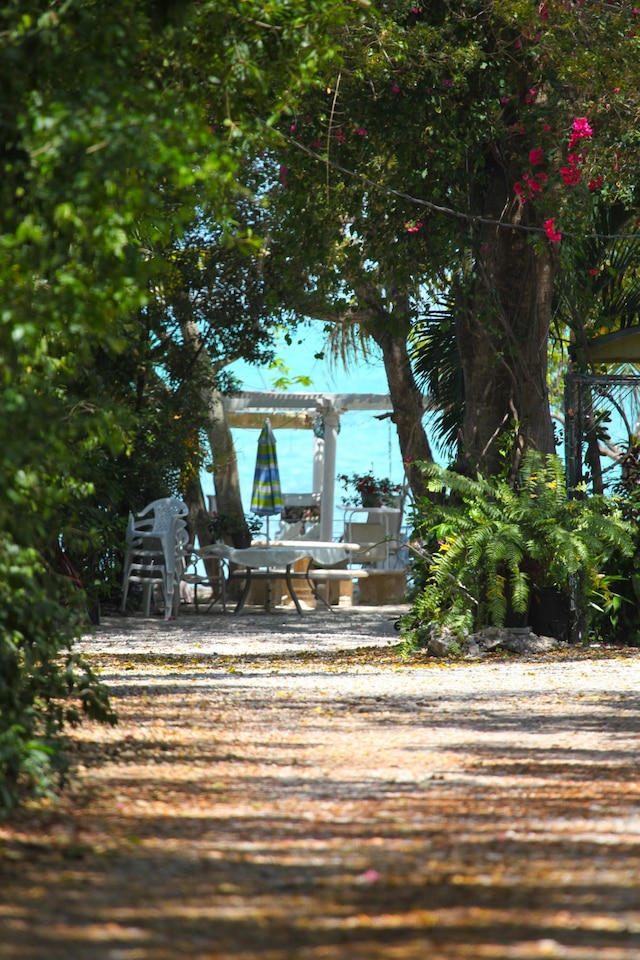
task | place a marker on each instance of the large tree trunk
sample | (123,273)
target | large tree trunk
(502,327)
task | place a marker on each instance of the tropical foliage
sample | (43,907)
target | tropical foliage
(484,544)
(458,152)
(401,149)
(119,122)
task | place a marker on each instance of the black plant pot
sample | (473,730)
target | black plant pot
(549,613)
(516,620)
(512,619)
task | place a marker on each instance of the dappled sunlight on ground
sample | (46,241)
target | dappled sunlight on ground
(339,805)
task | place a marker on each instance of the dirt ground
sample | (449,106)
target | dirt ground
(282,787)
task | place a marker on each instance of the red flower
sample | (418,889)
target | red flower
(570,175)
(550,229)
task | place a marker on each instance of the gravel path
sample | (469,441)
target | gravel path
(254,632)
(287,788)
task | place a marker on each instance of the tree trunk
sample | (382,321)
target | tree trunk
(225,464)
(197,522)
(408,408)
(502,328)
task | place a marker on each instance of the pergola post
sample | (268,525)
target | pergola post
(318,464)
(331,419)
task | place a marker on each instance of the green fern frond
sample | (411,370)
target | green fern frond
(520,593)
(497,600)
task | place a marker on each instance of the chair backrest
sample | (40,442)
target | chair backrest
(373,537)
(164,513)
(288,531)
(160,527)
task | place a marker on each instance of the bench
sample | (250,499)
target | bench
(378,586)
(318,576)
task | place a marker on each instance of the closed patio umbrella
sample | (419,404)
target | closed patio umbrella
(266,496)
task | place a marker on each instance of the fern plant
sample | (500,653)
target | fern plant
(488,543)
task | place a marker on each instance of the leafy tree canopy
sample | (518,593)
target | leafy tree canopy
(443,120)
(118,122)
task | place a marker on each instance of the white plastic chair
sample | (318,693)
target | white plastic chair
(156,552)
(373,539)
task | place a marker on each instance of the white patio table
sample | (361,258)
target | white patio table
(274,561)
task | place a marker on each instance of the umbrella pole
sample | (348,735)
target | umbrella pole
(269,597)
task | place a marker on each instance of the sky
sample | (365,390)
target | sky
(364,443)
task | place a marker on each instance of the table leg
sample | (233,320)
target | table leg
(245,592)
(292,593)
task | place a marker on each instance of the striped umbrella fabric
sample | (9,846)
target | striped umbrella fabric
(266,496)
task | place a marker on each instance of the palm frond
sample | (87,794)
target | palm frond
(438,372)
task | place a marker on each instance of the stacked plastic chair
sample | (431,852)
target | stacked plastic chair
(156,553)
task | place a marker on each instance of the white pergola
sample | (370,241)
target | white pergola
(319,412)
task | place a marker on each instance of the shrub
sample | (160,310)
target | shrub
(490,542)
(44,686)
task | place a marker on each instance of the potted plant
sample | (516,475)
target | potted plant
(226,526)
(368,491)
(490,544)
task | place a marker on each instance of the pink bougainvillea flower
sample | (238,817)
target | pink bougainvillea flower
(361,132)
(395,88)
(536,156)
(505,99)
(594,271)
(283,175)
(412,226)
(550,230)
(447,83)
(581,128)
